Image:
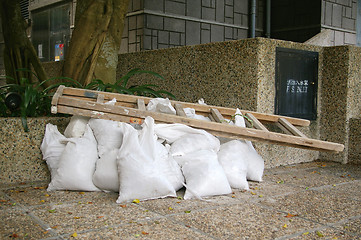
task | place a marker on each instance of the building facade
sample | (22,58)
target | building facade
(155,24)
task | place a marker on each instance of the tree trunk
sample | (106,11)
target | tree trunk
(19,51)
(95,42)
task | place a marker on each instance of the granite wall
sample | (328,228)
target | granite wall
(20,155)
(341,101)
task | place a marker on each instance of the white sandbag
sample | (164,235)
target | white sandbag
(169,166)
(232,157)
(52,147)
(76,164)
(239,121)
(194,142)
(105,176)
(162,105)
(173,132)
(204,175)
(255,166)
(139,176)
(108,133)
(191,113)
(76,126)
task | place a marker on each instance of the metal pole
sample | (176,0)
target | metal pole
(252,27)
(268,18)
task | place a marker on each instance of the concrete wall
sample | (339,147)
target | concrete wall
(156,24)
(340,17)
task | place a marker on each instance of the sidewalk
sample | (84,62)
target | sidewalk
(318,200)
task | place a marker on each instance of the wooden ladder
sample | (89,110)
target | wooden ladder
(132,109)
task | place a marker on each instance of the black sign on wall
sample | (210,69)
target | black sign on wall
(296,83)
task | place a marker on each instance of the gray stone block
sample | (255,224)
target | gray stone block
(132,23)
(228,20)
(183,39)
(173,24)
(193,30)
(175,7)
(132,36)
(147,42)
(228,11)
(336,15)
(217,33)
(207,3)
(237,19)
(156,5)
(220,11)
(208,13)
(228,33)
(205,36)
(350,38)
(241,6)
(174,38)
(163,37)
(194,8)
(154,22)
(348,23)
(327,14)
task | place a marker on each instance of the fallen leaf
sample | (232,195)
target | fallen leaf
(70,213)
(253,193)
(233,196)
(170,208)
(47,195)
(136,201)
(89,202)
(306,233)
(52,210)
(281,181)
(77,217)
(289,215)
(81,192)
(260,196)
(319,234)
(180,198)
(42,200)
(144,233)
(100,216)
(187,211)
(74,235)
(14,235)
(123,206)
(285,226)
(137,235)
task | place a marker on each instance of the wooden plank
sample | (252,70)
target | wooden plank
(99,110)
(217,116)
(179,110)
(290,128)
(202,109)
(55,99)
(141,104)
(256,124)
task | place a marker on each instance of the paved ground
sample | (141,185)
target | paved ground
(318,200)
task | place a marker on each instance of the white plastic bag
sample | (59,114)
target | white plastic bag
(194,142)
(204,175)
(232,156)
(162,105)
(169,166)
(108,133)
(76,164)
(173,132)
(76,126)
(139,176)
(191,113)
(52,147)
(105,176)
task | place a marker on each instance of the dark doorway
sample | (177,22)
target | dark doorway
(296,83)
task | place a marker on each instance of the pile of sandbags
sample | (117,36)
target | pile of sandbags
(153,162)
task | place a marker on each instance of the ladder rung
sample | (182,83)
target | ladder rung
(217,116)
(141,104)
(289,128)
(179,110)
(256,123)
